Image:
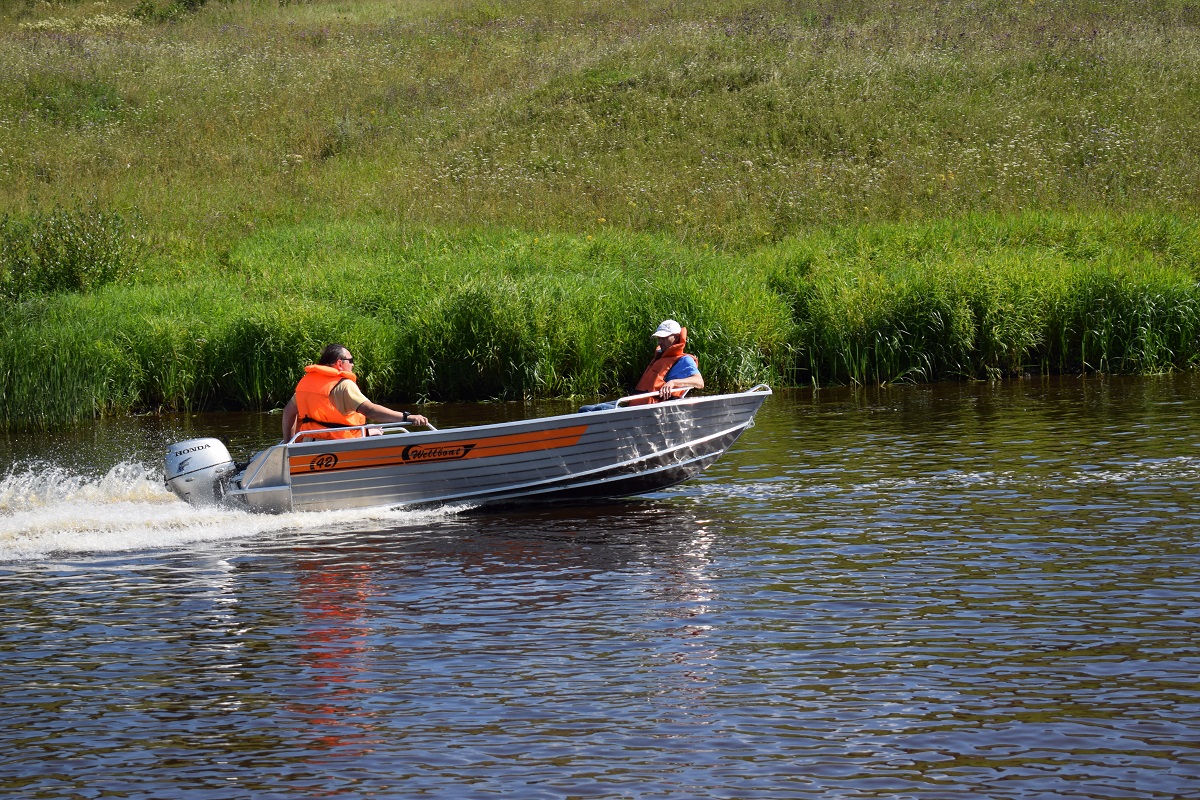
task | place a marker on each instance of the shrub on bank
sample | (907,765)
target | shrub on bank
(66,250)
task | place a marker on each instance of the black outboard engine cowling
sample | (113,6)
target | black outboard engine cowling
(197,470)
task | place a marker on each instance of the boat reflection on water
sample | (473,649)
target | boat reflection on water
(520,588)
(334,654)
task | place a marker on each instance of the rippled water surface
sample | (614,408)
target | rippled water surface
(953,591)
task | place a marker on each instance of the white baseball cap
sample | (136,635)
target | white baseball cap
(668,327)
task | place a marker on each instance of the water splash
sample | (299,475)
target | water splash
(46,509)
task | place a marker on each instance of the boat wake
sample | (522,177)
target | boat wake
(1139,473)
(1179,469)
(46,509)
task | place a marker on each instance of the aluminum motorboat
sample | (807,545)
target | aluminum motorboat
(630,449)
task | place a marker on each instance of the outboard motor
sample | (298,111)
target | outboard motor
(197,470)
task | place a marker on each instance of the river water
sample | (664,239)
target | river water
(949,591)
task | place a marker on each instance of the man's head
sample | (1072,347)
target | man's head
(667,333)
(337,355)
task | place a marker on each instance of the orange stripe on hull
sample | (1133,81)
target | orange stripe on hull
(416,453)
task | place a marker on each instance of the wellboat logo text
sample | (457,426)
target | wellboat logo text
(436,452)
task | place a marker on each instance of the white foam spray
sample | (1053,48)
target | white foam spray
(46,509)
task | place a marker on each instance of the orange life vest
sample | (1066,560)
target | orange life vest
(316,412)
(656,374)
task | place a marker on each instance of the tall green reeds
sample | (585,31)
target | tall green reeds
(430,317)
(989,297)
(476,315)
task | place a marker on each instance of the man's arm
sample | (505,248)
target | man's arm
(347,397)
(378,413)
(289,419)
(694,382)
(688,381)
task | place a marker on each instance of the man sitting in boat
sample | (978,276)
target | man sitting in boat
(327,398)
(670,371)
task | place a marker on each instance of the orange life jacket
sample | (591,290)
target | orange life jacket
(656,374)
(316,412)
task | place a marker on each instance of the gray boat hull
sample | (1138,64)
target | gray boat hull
(627,450)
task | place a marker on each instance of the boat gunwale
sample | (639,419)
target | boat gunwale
(398,428)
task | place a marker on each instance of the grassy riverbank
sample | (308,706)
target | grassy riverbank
(728,122)
(496,200)
(477,315)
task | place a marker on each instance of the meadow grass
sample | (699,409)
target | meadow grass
(730,122)
(494,200)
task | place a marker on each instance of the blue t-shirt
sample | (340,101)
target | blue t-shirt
(685,367)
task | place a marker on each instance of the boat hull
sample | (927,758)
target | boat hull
(623,451)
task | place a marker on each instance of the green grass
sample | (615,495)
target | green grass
(66,250)
(468,317)
(502,199)
(992,297)
(733,123)
(498,313)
